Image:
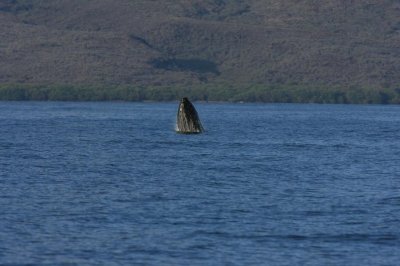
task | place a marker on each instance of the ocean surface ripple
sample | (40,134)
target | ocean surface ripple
(267,184)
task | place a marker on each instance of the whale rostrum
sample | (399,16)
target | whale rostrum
(187,119)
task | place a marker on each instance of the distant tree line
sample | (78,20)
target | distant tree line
(254,93)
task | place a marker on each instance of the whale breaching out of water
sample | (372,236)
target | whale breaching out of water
(187,119)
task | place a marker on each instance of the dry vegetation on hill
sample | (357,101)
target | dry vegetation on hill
(345,43)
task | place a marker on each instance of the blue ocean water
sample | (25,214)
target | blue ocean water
(267,184)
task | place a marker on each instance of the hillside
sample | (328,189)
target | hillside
(346,43)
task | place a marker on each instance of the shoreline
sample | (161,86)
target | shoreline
(240,94)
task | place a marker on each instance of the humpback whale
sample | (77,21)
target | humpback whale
(187,119)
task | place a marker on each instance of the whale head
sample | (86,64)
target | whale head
(188,121)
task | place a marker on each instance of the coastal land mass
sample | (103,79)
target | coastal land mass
(214,50)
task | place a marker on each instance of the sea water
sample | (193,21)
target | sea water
(266,184)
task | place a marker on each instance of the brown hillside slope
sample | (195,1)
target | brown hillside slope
(166,42)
